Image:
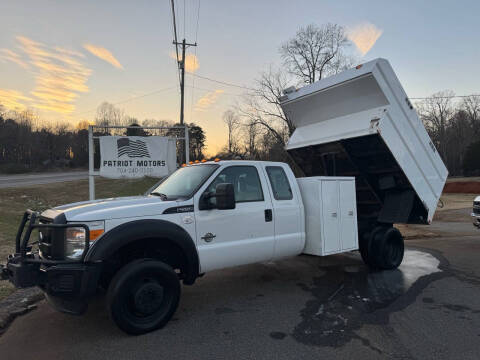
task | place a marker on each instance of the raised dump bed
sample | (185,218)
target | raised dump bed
(361,123)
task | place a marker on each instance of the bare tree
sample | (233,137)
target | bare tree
(316,52)
(232,122)
(252,131)
(109,115)
(471,105)
(262,106)
(436,113)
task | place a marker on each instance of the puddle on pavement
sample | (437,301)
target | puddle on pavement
(348,296)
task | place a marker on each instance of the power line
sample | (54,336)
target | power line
(175,39)
(220,81)
(195,59)
(443,97)
(133,98)
(247,88)
(184,10)
(205,89)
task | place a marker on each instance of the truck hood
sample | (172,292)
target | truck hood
(113,208)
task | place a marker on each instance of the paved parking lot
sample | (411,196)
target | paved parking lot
(299,308)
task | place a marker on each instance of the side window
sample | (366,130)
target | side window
(279,181)
(245,181)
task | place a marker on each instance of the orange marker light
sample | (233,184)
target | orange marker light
(204,160)
(191,162)
(358,66)
(183,165)
(217,159)
(196,161)
(94,234)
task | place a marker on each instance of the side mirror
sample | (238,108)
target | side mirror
(225,195)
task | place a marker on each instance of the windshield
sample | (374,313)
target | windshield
(184,182)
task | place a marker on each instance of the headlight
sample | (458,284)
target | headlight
(75,238)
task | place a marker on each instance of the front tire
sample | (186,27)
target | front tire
(143,296)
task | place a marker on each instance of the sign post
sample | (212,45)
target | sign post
(133,156)
(91,173)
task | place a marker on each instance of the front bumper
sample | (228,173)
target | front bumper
(67,280)
(63,279)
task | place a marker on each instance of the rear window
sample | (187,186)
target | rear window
(279,181)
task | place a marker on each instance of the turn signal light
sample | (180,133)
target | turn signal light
(94,234)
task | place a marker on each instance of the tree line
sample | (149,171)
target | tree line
(29,144)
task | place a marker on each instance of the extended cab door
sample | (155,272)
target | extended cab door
(287,211)
(237,236)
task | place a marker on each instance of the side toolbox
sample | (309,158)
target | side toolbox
(330,214)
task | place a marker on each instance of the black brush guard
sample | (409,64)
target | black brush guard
(69,279)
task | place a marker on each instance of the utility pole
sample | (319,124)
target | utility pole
(181,65)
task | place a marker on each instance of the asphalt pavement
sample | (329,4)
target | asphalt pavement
(298,308)
(22,180)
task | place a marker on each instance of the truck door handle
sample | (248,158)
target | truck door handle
(208,237)
(334,214)
(268,215)
(350,213)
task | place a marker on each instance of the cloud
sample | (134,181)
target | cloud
(9,55)
(12,99)
(60,76)
(103,54)
(191,61)
(207,100)
(364,36)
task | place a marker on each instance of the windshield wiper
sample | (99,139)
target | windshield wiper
(162,196)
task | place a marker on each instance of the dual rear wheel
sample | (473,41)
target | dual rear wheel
(382,248)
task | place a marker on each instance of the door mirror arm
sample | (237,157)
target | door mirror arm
(224,194)
(203,203)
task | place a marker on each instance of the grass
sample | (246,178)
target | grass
(14,201)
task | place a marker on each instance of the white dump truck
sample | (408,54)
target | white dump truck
(367,164)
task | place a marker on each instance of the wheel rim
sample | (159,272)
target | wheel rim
(148,297)
(148,300)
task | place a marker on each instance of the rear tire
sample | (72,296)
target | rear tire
(143,296)
(365,246)
(390,249)
(383,248)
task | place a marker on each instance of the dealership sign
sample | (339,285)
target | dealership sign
(137,156)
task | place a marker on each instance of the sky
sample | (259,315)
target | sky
(63,58)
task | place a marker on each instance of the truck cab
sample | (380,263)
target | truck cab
(244,212)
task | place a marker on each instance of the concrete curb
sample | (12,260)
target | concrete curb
(18,303)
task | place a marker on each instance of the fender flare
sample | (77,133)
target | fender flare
(128,232)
